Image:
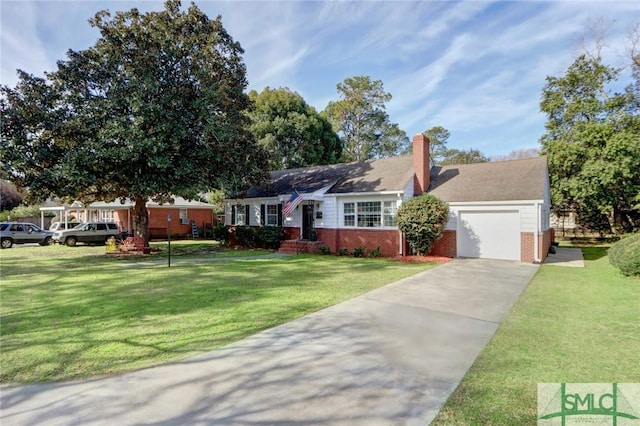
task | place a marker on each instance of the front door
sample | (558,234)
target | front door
(307,222)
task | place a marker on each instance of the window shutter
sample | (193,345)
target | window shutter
(247,218)
(263,212)
(233,215)
(280,214)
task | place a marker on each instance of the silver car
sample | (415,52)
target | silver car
(92,232)
(21,233)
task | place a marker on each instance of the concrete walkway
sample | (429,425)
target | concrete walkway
(389,357)
(565,256)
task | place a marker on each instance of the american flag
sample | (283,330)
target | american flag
(291,204)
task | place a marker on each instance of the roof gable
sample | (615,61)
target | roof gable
(494,181)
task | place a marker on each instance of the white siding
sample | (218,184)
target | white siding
(329,216)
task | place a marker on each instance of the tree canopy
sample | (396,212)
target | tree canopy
(291,131)
(361,120)
(155,108)
(593,144)
(463,156)
(442,155)
(438,137)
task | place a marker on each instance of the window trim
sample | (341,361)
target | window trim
(352,220)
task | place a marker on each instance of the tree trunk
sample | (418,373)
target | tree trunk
(141,219)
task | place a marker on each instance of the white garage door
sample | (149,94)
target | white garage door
(489,234)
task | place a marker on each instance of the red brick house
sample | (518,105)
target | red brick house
(182,212)
(498,210)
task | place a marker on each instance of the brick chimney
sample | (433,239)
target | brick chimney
(421,163)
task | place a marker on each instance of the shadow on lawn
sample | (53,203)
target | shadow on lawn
(594,253)
(88,310)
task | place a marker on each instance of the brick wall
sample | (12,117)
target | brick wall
(527,246)
(387,240)
(446,245)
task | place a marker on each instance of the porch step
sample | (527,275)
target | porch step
(299,246)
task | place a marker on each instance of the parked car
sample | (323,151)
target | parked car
(92,232)
(21,233)
(61,226)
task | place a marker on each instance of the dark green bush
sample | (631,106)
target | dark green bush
(358,252)
(625,255)
(324,250)
(423,219)
(375,252)
(270,237)
(343,252)
(221,233)
(246,236)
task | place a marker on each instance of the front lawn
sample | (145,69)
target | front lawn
(572,325)
(74,312)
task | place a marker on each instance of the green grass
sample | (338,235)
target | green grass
(75,312)
(572,325)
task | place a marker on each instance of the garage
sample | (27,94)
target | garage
(491,234)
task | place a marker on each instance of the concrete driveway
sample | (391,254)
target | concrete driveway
(389,357)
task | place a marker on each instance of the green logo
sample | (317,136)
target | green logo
(616,404)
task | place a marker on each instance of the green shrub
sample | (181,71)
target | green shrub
(343,252)
(221,233)
(625,255)
(324,250)
(423,219)
(358,252)
(375,252)
(246,236)
(270,236)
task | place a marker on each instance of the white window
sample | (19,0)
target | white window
(349,214)
(184,216)
(272,214)
(370,214)
(389,213)
(106,215)
(240,215)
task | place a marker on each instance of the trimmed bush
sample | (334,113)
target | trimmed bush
(358,252)
(221,233)
(625,255)
(246,236)
(324,250)
(343,251)
(375,252)
(423,219)
(270,236)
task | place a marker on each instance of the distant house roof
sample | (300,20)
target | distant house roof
(177,202)
(387,174)
(495,181)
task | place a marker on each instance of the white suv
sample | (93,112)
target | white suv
(92,232)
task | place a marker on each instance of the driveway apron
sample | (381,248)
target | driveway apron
(389,357)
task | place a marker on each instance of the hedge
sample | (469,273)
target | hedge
(625,255)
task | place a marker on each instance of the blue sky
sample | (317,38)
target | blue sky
(476,68)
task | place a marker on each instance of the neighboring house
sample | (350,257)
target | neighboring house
(183,213)
(498,210)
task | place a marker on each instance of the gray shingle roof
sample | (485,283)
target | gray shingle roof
(387,174)
(496,181)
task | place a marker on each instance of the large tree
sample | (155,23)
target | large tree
(292,131)
(361,119)
(155,108)
(463,156)
(593,144)
(438,137)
